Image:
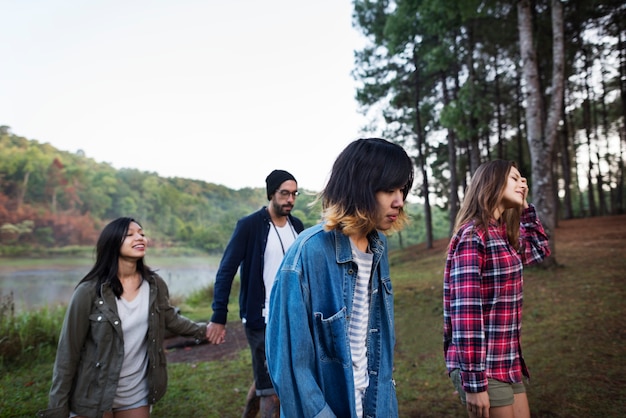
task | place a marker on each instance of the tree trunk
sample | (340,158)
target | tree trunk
(421,153)
(606,135)
(474,137)
(22,191)
(498,104)
(620,175)
(592,104)
(541,139)
(453,198)
(622,76)
(622,130)
(519,104)
(593,211)
(566,168)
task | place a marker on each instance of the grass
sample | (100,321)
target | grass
(207,389)
(574,337)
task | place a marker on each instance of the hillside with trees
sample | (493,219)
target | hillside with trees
(53,199)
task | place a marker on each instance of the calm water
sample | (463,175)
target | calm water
(38,287)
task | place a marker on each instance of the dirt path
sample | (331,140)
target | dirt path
(235,342)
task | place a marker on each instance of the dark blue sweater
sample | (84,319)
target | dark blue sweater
(245,250)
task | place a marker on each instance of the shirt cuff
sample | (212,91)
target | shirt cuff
(474,382)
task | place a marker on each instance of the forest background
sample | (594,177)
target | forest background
(452,82)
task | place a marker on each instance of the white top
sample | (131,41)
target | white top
(132,386)
(279,240)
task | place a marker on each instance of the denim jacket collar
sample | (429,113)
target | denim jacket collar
(343,249)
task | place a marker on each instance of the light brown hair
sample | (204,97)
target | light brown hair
(483,197)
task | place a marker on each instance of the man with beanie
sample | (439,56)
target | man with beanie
(256,249)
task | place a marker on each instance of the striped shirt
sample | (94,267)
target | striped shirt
(482,301)
(357,328)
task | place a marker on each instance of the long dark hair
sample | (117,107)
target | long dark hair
(483,196)
(107,255)
(366,166)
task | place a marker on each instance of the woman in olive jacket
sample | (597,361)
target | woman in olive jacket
(110,360)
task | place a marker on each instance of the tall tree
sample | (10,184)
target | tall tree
(391,72)
(542,124)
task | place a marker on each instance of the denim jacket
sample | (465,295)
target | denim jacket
(307,343)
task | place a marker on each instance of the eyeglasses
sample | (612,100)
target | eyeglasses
(287,193)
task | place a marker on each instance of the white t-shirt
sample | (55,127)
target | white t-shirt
(279,240)
(132,386)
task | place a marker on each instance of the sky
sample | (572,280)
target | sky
(222,91)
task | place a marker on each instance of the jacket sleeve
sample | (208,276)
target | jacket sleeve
(534,242)
(291,358)
(234,253)
(71,340)
(174,321)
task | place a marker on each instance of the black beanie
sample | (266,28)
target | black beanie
(275,179)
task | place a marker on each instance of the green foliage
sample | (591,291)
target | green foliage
(431,72)
(177,213)
(50,198)
(28,335)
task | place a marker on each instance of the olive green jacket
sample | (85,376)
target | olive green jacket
(91,350)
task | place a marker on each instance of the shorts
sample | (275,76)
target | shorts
(500,393)
(133,406)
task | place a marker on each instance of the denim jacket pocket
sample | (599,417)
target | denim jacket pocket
(332,338)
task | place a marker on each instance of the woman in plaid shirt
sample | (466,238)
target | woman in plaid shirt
(495,234)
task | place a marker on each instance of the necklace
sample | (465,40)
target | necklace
(278,235)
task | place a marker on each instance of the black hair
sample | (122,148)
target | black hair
(108,248)
(366,166)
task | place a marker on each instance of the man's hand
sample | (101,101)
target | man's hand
(216,333)
(477,404)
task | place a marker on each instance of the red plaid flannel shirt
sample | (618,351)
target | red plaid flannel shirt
(482,301)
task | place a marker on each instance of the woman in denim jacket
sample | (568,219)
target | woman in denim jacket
(330,335)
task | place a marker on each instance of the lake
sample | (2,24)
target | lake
(50,283)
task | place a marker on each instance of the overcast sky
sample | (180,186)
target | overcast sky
(217,90)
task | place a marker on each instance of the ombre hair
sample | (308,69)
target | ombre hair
(483,197)
(108,249)
(366,166)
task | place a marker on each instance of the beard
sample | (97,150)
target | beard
(281,210)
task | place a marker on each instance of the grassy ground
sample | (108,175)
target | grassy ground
(574,338)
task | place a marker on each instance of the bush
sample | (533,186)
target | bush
(28,334)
